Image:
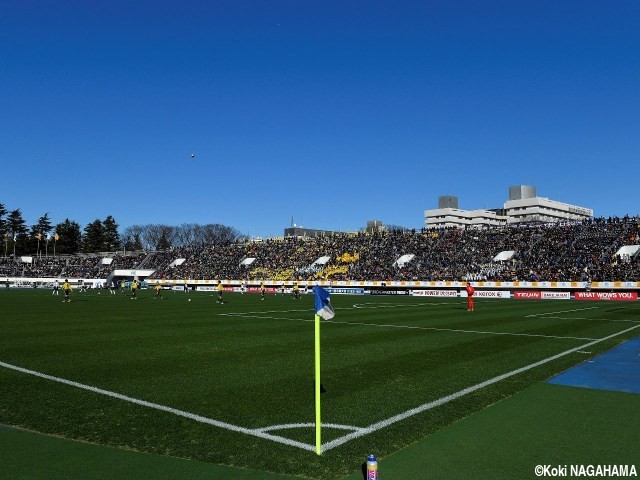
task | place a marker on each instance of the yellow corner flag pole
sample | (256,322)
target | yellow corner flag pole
(318,424)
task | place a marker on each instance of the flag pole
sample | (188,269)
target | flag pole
(318,423)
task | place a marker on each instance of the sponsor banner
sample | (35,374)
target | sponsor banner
(488,294)
(389,292)
(346,291)
(434,293)
(556,295)
(179,288)
(204,289)
(526,295)
(266,290)
(613,296)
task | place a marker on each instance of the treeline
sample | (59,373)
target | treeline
(64,238)
(101,235)
(162,237)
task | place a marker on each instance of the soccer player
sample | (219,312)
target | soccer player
(470,291)
(283,289)
(122,285)
(186,287)
(134,290)
(296,291)
(56,288)
(262,290)
(220,289)
(158,292)
(112,288)
(66,287)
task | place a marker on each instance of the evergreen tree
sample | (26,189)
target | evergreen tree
(3,222)
(44,224)
(69,237)
(16,224)
(93,238)
(17,231)
(110,234)
(38,234)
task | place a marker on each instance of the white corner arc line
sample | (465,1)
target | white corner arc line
(441,401)
(287,426)
(175,411)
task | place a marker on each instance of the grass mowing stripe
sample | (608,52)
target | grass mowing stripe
(198,418)
(427,406)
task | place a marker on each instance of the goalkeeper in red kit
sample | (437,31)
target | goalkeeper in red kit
(470,291)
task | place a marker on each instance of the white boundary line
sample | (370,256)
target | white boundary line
(441,401)
(192,416)
(412,327)
(456,330)
(593,319)
(358,432)
(561,311)
(546,315)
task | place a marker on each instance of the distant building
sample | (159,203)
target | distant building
(523,206)
(307,232)
(374,226)
(297,231)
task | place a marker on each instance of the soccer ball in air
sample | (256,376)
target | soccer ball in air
(189,299)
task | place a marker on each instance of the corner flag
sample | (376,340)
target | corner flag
(322,304)
(324,310)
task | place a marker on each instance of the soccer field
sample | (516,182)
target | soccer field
(233,384)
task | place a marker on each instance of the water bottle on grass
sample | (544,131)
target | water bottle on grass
(372,468)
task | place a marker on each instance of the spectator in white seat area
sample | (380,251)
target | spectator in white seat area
(580,251)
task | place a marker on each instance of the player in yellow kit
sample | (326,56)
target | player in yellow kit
(158,292)
(66,287)
(220,289)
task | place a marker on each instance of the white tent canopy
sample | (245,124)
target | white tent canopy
(177,262)
(403,260)
(504,256)
(106,261)
(247,261)
(321,261)
(630,250)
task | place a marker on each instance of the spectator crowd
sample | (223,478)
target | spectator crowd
(584,251)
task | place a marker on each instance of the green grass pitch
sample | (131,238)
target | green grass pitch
(233,384)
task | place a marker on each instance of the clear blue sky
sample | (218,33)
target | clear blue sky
(335,112)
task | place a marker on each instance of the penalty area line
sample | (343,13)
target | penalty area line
(414,327)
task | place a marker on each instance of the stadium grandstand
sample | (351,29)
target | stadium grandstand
(591,250)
